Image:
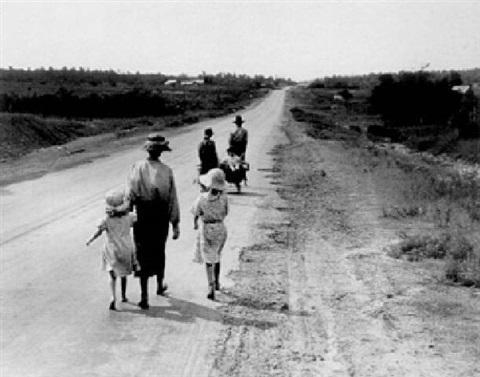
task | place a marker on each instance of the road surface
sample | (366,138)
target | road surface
(54,297)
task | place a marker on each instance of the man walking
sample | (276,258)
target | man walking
(239,138)
(207,153)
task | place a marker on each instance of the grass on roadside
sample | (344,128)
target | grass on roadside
(462,261)
(411,187)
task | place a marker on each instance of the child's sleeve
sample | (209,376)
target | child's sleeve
(102,225)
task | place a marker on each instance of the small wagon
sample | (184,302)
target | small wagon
(235,175)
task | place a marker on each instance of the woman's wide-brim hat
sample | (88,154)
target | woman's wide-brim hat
(216,179)
(238,120)
(157,142)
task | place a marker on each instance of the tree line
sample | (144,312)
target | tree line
(139,94)
(415,99)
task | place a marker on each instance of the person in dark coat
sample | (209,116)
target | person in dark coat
(207,152)
(151,190)
(239,138)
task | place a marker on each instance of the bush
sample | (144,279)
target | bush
(462,262)
(415,99)
(381,132)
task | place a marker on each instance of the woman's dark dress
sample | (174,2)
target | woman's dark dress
(152,192)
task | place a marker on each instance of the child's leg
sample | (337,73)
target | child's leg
(113,281)
(124,288)
(217,276)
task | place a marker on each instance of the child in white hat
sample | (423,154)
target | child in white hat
(212,208)
(118,255)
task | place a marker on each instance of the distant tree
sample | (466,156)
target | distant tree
(345,93)
(415,98)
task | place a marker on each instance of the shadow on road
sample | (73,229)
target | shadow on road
(246,194)
(188,312)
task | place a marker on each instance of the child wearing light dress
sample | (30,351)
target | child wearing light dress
(202,183)
(118,255)
(211,208)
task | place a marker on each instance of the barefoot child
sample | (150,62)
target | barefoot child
(211,208)
(118,255)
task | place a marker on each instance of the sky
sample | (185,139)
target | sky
(298,39)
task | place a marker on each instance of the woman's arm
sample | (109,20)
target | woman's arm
(174,208)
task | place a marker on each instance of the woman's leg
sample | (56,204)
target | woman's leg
(161,286)
(124,288)
(211,281)
(113,281)
(144,292)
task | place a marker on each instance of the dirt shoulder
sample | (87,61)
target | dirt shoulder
(321,295)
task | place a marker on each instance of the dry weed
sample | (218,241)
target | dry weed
(462,260)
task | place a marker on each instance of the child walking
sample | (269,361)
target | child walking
(118,255)
(203,184)
(211,208)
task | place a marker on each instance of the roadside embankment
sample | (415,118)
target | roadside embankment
(31,145)
(23,133)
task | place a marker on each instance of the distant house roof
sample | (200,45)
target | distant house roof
(193,82)
(461,88)
(170,82)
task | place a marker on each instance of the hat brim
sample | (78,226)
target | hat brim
(239,121)
(203,180)
(157,146)
(219,187)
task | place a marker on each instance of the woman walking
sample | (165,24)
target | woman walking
(212,208)
(151,190)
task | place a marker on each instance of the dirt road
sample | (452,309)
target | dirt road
(54,297)
(310,289)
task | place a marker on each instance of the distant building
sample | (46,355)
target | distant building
(338,98)
(463,89)
(192,82)
(170,83)
(469,105)
(476,89)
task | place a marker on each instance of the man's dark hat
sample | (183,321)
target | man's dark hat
(238,120)
(157,142)
(208,132)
